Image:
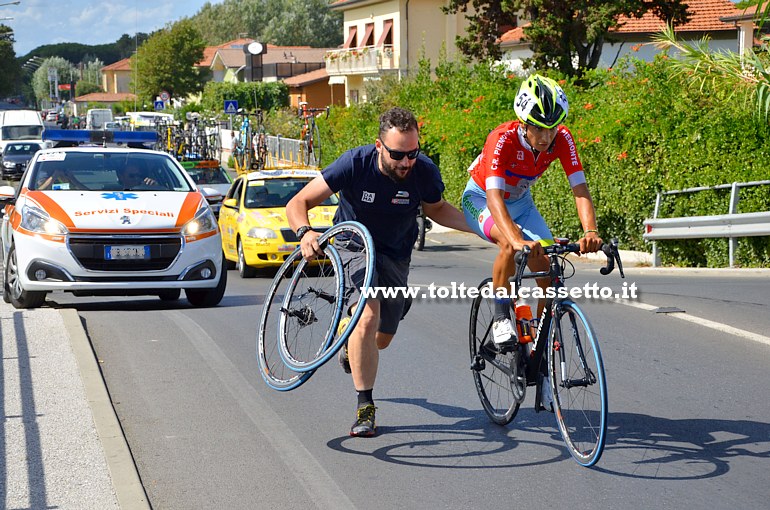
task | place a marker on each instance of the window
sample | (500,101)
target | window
(368,39)
(387,33)
(350,41)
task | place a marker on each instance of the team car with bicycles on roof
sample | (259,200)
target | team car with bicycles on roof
(255,230)
(98,220)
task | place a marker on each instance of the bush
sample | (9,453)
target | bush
(640,129)
(250,95)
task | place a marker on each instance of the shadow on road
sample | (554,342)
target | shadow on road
(638,445)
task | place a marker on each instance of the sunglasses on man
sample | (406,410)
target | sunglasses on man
(399,155)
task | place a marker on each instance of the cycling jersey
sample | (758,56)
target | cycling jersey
(508,162)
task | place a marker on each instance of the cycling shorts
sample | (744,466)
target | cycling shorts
(522,210)
(388,272)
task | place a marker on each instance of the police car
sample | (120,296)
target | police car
(98,220)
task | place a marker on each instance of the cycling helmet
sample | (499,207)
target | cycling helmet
(541,102)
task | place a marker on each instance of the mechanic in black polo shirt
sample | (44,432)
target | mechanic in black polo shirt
(380,185)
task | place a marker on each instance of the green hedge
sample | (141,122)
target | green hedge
(640,129)
(250,95)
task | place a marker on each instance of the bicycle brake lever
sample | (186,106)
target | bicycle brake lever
(608,251)
(521,262)
(617,257)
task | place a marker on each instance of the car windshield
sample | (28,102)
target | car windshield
(276,193)
(21,149)
(22,132)
(209,175)
(107,171)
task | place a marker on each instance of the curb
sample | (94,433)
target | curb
(125,478)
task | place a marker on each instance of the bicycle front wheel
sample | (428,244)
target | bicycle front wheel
(315,145)
(275,373)
(491,369)
(578,384)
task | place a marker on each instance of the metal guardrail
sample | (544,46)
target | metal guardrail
(731,225)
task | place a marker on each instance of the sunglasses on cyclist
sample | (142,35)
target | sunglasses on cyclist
(399,155)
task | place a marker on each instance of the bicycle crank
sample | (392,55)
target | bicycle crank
(518,377)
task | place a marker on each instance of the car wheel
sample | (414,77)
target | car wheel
(244,270)
(209,297)
(14,293)
(229,264)
(170,294)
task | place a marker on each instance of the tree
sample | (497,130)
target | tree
(43,88)
(167,62)
(280,22)
(10,71)
(567,35)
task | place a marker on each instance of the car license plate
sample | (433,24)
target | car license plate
(127,252)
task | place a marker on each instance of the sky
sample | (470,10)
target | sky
(38,22)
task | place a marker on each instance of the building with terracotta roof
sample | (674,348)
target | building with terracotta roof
(634,35)
(116,78)
(314,88)
(389,37)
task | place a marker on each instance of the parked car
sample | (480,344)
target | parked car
(255,231)
(97,220)
(15,157)
(52,116)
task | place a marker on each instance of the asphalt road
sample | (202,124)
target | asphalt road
(688,408)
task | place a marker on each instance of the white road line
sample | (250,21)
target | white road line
(314,478)
(724,328)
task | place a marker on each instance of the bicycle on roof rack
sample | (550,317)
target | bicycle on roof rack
(310,135)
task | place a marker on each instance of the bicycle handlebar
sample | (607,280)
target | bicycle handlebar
(610,250)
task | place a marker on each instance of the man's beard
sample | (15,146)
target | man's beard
(391,171)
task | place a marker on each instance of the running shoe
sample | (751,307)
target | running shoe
(343,356)
(364,424)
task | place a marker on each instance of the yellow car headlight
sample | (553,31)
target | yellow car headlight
(261,233)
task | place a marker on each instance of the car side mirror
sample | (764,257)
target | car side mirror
(7,194)
(231,203)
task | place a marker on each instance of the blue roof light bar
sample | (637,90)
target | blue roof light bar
(99,136)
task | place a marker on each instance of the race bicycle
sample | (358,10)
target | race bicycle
(563,360)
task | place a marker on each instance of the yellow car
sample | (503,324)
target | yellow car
(255,231)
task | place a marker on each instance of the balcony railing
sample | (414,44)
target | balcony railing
(364,60)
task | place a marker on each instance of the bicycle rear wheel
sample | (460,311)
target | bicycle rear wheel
(301,348)
(577,381)
(275,373)
(491,369)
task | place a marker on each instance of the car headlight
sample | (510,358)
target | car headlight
(38,221)
(203,222)
(9,164)
(261,233)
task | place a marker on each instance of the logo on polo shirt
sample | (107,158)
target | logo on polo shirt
(368,197)
(402,194)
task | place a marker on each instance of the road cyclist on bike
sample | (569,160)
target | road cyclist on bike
(380,185)
(497,202)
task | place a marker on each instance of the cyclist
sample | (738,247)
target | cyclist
(497,202)
(381,185)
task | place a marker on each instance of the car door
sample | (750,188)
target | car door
(228,219)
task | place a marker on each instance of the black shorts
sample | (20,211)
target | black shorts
(388,272)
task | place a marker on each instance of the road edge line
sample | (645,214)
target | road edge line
(718,326)
(126,482)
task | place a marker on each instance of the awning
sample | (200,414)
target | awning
(387,26)
(336,80)
(350,42)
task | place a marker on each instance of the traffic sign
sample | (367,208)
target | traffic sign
(160,105)
(231,106)
(165,96)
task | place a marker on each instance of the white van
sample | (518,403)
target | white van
(15,125)
(96,118)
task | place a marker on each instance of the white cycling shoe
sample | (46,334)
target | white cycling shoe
(503,333)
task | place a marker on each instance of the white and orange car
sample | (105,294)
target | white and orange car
(109,221)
